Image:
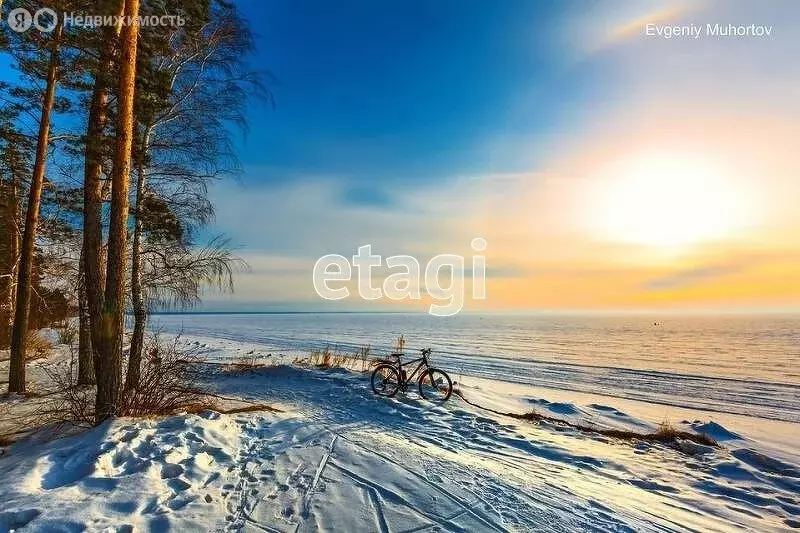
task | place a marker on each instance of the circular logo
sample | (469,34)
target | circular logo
(45,20)
(19,19)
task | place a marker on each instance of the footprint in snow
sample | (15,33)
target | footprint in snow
(169,471)
(178,485)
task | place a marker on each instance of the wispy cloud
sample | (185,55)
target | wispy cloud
(692,276)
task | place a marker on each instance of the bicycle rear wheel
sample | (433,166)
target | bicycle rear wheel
(435,385)
(385,380)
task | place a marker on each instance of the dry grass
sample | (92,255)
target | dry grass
(207,404)
(250,409)
(665,434)
(667,430)
(530,416)
(248,360)
(243,364)
(360,360)
(38,347)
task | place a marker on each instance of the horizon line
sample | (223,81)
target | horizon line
(741,312)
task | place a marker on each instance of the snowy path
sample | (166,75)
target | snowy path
(364,464)
(353,462)
(337,458)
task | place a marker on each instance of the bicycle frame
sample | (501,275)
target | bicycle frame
(408,378)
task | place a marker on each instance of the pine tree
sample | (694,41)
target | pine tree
(111,318)
(16,376)
(97,121)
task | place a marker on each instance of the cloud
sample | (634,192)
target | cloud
(689,277)
(363,196)
(623,21)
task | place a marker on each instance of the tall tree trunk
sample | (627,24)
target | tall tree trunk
(111,322)
(16,375)
(85,357)
(137,296)
(94,279)
(11,292)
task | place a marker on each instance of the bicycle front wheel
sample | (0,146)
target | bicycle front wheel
(385,380)
(435,385)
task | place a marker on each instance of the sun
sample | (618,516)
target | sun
(667,202)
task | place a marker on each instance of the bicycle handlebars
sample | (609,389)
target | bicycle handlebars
(425,352)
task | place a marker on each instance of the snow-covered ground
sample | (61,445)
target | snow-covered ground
(746,365)
(337,458)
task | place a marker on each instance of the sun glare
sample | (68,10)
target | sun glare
(668,202)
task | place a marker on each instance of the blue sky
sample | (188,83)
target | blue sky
(376,92)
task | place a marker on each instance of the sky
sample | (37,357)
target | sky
(606,166)
(607,169)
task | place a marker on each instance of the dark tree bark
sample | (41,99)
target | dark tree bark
(94,279)
(85,354)
(11,292)
(137,296)
(16,375)
(111,320)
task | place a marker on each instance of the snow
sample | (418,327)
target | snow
(337,458)
(123,475)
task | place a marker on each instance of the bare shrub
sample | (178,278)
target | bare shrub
(168,381)
(61,402)
(68,334)
(38,347)
(71,402)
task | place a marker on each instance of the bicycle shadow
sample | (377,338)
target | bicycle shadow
(336,396)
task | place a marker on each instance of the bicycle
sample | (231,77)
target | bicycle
(389,377)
